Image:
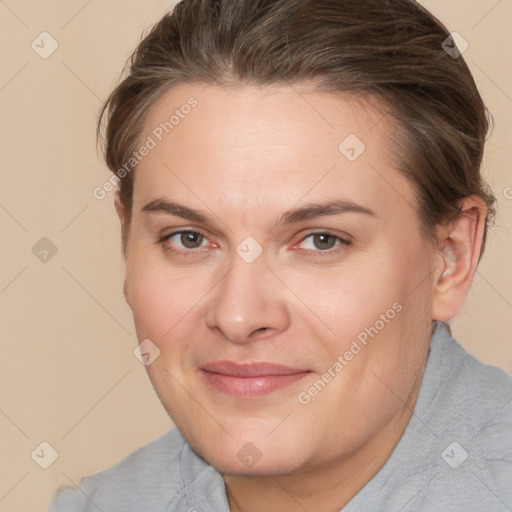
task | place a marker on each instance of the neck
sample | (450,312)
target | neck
(322,488)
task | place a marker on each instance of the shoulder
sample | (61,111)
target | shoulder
(475,394)
(464,427)
(456,452)
(480,425)
(147,476)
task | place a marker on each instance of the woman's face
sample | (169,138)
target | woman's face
(279,266)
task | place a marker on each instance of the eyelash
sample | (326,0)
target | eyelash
(342,243)
(180,252)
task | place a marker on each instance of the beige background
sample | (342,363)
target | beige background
(68,375)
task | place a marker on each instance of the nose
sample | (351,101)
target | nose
(248,303)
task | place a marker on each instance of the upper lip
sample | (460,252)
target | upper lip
(257,369)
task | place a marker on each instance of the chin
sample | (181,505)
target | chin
(251,454)
(277,463)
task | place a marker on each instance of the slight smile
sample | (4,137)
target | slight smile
(250,380)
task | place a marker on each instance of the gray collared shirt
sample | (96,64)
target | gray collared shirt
(455,454)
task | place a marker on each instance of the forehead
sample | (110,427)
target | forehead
(254,146)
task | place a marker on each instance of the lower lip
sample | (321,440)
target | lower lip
(250,387)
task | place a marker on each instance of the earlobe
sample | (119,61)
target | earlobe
(458,253)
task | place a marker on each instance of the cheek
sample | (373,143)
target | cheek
(378,304)
(163,300)
(348,300)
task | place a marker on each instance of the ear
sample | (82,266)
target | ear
(457,255)
(121,213)
(122,218)
(126,294)
(119,210)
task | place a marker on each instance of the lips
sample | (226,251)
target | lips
(250,380)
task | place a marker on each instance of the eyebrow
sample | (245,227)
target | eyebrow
(293,216)
(176,209)
(313,210)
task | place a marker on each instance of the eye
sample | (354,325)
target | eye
(322,242)
(183,241)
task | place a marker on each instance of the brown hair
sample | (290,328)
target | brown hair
(388,49)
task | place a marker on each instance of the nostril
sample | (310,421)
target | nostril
(260,331)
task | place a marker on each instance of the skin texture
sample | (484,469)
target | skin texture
(244,156)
